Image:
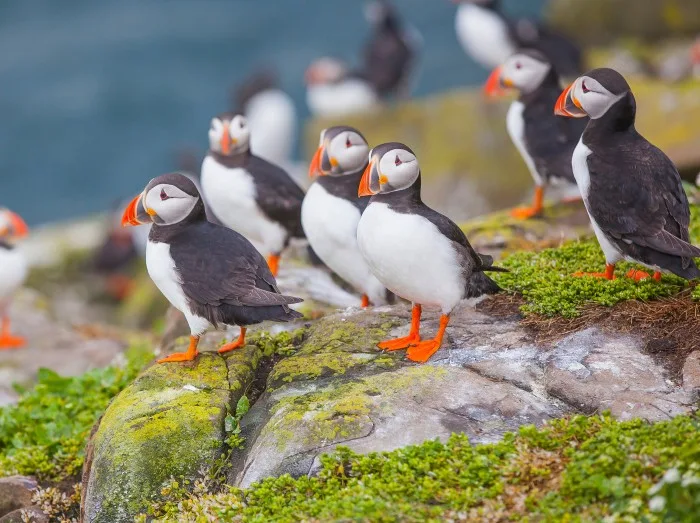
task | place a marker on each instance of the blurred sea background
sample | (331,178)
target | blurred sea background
(96,98)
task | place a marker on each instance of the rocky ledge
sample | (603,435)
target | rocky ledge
(331,386)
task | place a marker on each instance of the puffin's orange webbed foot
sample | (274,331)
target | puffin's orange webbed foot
(422,352)
(365,301)
(638,275)
(399,343)
(609,273)
(525,213)
(190,355)
(8,342)
(273,262)
(240,342)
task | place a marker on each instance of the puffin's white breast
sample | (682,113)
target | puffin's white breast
(231,195)
(347,97)
(579,164)
(516,130)
(411,257)
(13,271)
(483,35)
(330,224)
(272,121)
(161,268)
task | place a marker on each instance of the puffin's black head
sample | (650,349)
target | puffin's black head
(342,150)
(594,93)
(392,167)
(166,200)
(256,83)
(381,13)
(12,227)
(525,70)
(490,4)
(229,134)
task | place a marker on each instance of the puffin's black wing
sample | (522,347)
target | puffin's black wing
(388,59)
(278,196)
(643,206)
(218,267)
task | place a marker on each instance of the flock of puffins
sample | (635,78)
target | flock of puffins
(364,217)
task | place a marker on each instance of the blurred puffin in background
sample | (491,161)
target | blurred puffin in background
(271,116)
(633,192)
(332,89)
(332,209)
(210,273)
(13,272)
(489,37)
(390,54)
(247,193)
(416,252)
(545,142)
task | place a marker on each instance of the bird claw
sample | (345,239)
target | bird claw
(422,352)
(525,213)
(178,357)
(11,342)
(398,343)
(231,346)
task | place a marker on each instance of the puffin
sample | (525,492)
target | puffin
(210,273)
(271,116)
(489,37)
(389,55)
(416,252)
(331,210)
(545,142)
(247,193)
(13,272)
(632,190)
(332,90)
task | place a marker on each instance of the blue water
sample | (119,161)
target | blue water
(97,95)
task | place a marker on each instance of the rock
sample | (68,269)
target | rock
(50,344)
(16,493)
(593,371)
(169,423)
(691,374)
(25,515)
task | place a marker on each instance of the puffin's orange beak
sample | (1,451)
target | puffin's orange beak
(365,188)
(18,228)
(225,141)
(568,105)
(315,165)
(135,213)
(495,83)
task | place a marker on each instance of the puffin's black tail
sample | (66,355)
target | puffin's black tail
(480,284)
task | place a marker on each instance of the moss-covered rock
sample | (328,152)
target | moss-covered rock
(169,423)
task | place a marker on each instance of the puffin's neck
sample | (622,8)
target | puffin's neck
(344,186)
(617,121)
(8,246)
(405,198)
(547,90)
(232,161)
(166,233)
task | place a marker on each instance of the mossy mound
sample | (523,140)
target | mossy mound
(574,469)
(44,435)
(169,423)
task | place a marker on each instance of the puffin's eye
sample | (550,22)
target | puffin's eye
(397,161)
(163,196)
(241,124)
(348,143)
(585,89)
(518,65)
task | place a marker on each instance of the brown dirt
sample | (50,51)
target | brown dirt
(670,327)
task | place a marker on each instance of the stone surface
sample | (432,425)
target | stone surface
(691,374)
(169,423)
(25,515)
(16,493)
(64,348)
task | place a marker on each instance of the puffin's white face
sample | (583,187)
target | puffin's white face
(524,72)
(12,227)
(586,97)
(325,70)
(229,136)
(166,204)
(347,152)
(395,170)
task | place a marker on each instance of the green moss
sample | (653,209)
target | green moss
(44,434)
(575,469)
(283,343)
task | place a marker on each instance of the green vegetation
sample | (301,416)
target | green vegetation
(546,281)
(574,469)
(44,435)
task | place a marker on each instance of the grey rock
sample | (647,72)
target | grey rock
(24,515)
(15,493)
(691,374)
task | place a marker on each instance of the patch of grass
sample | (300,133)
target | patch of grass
(45,433)
(573,469)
